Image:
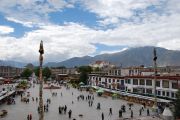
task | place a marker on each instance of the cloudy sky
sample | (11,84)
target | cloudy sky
(72,28)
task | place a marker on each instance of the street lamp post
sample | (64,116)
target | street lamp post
(155,75)
(41,51)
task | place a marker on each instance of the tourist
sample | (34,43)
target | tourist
(131,114)
(44,108)
(65,108)
(60,110)
(98,106)
(140,111)
(102,116)
(110,111)
(93,97)
(70,112)
(38,109)
(120,113)
(89,103)
(148,112)
(30,117)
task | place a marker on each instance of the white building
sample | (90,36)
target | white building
(166,86)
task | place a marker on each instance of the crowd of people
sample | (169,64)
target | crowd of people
(89,98)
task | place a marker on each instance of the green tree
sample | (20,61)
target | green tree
(83,77)
(36,71)
(177,105)
(26,73)
(46,72)
(87,69)
(84,71)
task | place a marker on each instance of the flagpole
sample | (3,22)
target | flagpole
(155,79)
(41,51)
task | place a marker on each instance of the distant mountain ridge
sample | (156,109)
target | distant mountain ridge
(15,63)
(12,63)
(130,57)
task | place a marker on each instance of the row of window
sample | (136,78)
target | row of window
(147,82)
(114,72)
(119,86)
(165,84)
(158,92)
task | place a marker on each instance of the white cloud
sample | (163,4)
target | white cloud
(113,51)
(6,30)
(111,11)
(159,28)
(60,42)
(27,24)
(31,12)
(72,39)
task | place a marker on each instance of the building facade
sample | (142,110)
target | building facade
(166,86)
(63,73)
(8,71)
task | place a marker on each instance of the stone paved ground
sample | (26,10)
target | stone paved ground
(20,110)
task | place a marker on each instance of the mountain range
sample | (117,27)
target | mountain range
(130,57)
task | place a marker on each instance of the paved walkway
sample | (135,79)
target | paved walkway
(21,109)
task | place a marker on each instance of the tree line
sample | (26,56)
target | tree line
(46,72)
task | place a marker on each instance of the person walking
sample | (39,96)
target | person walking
(120,113)
(44,107)
(60,110)
(131,114)
(70,113)
(30,117)
(89,103)
(65,108)
(148,112)
(140,112)
(110,111)
(102,116)
(38,109)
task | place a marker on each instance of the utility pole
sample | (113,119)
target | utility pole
(155,75)
(41,51)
